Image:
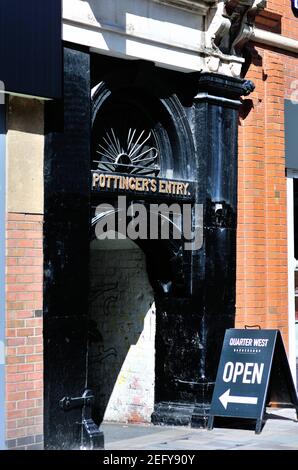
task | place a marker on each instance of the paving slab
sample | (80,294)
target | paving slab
(280,432)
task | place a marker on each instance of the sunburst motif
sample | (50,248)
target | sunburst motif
(136,156)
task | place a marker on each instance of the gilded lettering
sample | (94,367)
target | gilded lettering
(132,183)
(95,180)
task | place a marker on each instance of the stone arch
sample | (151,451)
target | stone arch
(170,126)
(166,263)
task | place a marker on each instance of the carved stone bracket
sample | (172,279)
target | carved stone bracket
(231,25)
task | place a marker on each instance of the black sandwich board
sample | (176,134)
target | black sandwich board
(253,373)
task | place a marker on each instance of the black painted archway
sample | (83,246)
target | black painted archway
(195,118)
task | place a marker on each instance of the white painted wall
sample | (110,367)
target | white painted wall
(136,29)
(147,29)
(291,276)
(122,363)
(25,155)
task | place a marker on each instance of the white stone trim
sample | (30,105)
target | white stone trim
(170,37)
(291,274)
(201,6)
(113,29)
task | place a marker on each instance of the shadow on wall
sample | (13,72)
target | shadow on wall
(26,115)
(252,56)
(122,333)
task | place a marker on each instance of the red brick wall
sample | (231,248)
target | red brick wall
(262,217)
(24,374)
(289,23)
(261,246)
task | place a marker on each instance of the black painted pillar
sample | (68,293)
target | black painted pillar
(66,251)
(216,108)
(190,330)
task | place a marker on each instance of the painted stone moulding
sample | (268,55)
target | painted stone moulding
(186,35)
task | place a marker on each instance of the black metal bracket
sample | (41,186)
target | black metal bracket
(91,436)
(68,403)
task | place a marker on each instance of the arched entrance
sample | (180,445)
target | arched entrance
(191,121)
(141,150)
(121,362)
(127,281)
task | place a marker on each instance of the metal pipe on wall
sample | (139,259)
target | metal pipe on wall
(275,40)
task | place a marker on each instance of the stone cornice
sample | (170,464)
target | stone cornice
(221,85)
(199,6)
(201,35)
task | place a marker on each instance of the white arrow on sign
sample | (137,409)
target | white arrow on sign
(226,398)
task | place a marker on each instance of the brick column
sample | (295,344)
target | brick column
(24,370)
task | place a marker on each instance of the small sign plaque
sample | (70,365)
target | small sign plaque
(145,185)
